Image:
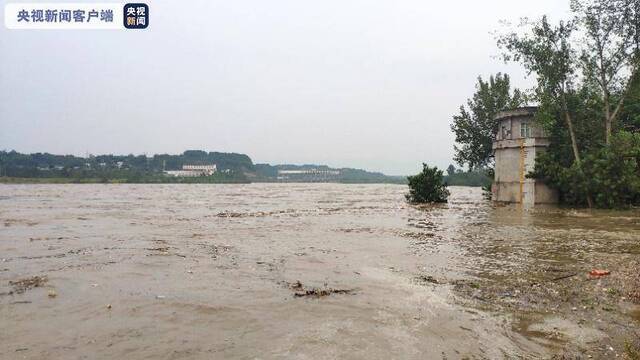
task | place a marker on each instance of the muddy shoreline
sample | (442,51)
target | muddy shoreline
(309,270)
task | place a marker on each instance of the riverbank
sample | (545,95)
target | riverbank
(568,279)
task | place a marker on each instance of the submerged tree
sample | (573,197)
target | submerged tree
(427,187)
(475,126)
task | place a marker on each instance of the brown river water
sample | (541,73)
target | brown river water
(307,271)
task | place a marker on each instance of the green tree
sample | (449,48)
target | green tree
(547,51)
(609,51)
(475,126)
(611,174)
(630,113)
(478,178)
(451,170)
(588,91)
(427,187)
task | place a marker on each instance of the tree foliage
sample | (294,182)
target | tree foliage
(123,168)
(611,174)
(609,51)
(475,178)
(475,126)
(427,187)
(588,93)
(547,51)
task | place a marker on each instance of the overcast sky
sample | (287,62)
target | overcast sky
(366,84)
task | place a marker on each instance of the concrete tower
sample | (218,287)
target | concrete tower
(515,147)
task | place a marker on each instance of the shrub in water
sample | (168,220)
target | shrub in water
(427,187)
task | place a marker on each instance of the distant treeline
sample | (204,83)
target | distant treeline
(12,161)
(459,177)
(266,172)
(232,168)
(121,168)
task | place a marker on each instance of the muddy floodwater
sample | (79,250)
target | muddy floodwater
(308,271)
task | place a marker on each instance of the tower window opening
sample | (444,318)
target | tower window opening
(525,129)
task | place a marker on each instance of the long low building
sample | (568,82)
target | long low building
(308,175)
(193,171)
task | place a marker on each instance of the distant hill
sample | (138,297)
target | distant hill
(321,173)
(232,167)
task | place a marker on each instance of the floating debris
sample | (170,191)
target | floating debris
(425,279)
(301,291)
(296,286)
(322,292)
(22,285)
(162,249)
(598,273)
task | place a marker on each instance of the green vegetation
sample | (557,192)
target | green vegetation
(607,175)
(476,125)
(459,177)
(47,168)
(56,180)
(218,178)
(475,128)
(232,168)
(588,93)
(588,96)
(427,187)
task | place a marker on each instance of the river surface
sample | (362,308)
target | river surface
(301,271)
